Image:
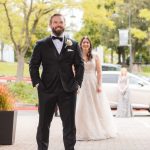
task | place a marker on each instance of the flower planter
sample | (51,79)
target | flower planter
(8,121)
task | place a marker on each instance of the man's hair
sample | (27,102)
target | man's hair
(55,16)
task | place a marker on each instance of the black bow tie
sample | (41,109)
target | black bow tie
(58,38)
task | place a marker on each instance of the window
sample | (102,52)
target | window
(110,68)
(109,78)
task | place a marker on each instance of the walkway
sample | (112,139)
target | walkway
(134,134)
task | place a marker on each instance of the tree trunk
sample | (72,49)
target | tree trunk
(133,55)
(20,67)
(123,57)
(2,48)
(112,56)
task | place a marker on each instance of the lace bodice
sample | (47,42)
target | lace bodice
(123,82)
(90,66)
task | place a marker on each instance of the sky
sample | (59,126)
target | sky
(73,20)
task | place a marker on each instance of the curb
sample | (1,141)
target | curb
(21,106)
(26,108)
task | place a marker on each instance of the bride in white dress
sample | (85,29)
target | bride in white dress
(94,119)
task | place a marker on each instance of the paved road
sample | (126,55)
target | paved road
(133,134)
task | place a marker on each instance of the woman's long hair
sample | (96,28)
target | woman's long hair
(89,54)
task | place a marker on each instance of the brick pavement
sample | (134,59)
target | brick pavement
(133,134)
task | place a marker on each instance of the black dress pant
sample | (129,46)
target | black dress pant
(47,103)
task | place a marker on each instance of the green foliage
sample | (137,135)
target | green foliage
(21,18)
(98,24)
(146,69)
(21,23)
(24,92)
(6,99)
(145,13)
(146,58)
(102,19)
(137,33)
(142,58)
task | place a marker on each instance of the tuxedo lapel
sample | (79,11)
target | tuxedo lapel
(52,46)
(63,47)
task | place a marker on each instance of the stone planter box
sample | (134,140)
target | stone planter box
(8,120)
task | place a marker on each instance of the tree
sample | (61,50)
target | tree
(139,26)
(145,14)
(102,19)
(2,47)
(21,19)
(98,23)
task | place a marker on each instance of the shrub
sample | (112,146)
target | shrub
(24,92)
(6,99)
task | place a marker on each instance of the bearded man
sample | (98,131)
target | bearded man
(58,82)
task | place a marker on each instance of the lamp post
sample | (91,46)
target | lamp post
(127,41)
(130,41)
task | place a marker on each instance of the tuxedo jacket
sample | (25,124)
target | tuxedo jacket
(56,67)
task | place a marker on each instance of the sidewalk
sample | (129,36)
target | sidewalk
(133,134)
(5,79)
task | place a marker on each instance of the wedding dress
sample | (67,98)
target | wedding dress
(124,108)
(94,119)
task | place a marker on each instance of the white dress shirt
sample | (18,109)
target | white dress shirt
(58,44)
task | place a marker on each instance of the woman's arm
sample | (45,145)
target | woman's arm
(99,73)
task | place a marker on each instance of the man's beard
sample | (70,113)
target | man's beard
(58,32)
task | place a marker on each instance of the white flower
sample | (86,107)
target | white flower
(68,42)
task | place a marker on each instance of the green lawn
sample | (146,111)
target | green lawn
(145,71)
(146,74)
(10,69)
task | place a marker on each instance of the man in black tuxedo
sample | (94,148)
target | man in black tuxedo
(58,83)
